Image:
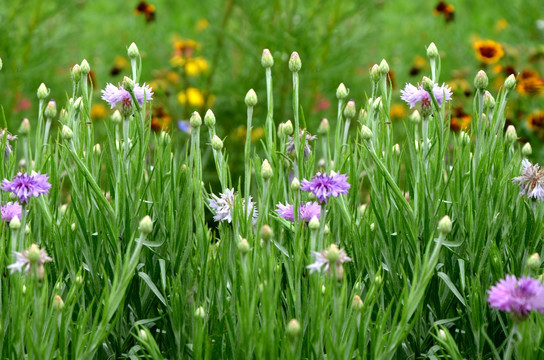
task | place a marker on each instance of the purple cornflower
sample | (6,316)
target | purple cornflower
(223,205)
(113,94)
(290,145)
(412,95)
(324,186)
(25,186)
(531,181)
(184,126)
(518,297)
(306,211)
(9,138)
(25,259)
(328,257)
(11,210)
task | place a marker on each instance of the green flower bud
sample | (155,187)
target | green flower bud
(164,138)
(266,170)
(76,73)
(526,150)
(341,92)
(287,128)
(375,73)
(200,313)
(294,62)
(243,247)
(510,82)
(58,304)
(432,51)
(51,109)
(324,127)
(97,149)
(267,61)
(533,262)
(489,100)
(209,119)
(116,117)
(133,51)
(362,209)
(43,92)
(251,98)
(314,223)
(384,67)
(366,133)
(350,110)
(73,227)
(85,68)
(481,80)
(511,134)
(465,138)
(267,233)
(24,128)
(427,84)
(415,117)
(295,184)
(293,328)
(442,335)
(128,84)
(444,225)
(217,143)
(326,230)
(66,133)
(396,149)
(357,303)
(146,225)
(372,227)
(78,104)
(377,104)
(15,223)
(34,253)
(195,120)
(333,254)
(142,335)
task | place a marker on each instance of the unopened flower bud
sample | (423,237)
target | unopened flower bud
(377,104)
(314,223)
(195,120)
(333,254)
(533,262)
(200,313)
(489,100)
(133,51)
(326,230)
(267,61)
(526,150)
(63,209)
(76,73)
(63,115)
(51,109)
(209,119)
(510,82)
(350,111)
(442,335)
(34,253)
(128,84)
(357,303)
(116,117)
(97,149)
(341,92)
(465,138)
(481,80)
(294,62)
(243,246)
(66,133)
(24,128)
(142,335)
(15,223)
(415,117)
(375,73)
(251,98)
(287,128)
(324,127)
(217,143)
(267,233)
(58,304)
(43,91)
(295,184)
(432,51)
(164,138)
(427,84)
(396,149)
(85,68)
(444,225)
(73,227)
(361,209)
(384,67)
(146,225)
(293,328)
(266,170)
(511,134)
(366,133)
(372,227)
(78,104)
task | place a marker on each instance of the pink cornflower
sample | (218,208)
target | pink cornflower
(518,297)
(326,258)
(11,210)
(25,259)
(113,94)
(25,186)
(324,186)
(531,181)
(306,211)
(412,95)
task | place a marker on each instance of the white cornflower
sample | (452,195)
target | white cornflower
(531,181)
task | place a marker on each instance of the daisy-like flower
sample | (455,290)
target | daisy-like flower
(326,258)
(517,296)
(412,95)
(9,138)
(223,204)
(488,51)
(32,256)
(324,186)
(115,94)
(290,146)
(306,211)
(531,181)
(11,210)
(24,186)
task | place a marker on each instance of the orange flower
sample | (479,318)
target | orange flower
(459,119)
(417,65)
(445,9)
(98,111)
(488,51)
(160,120)
(529,83)
(535,121)
(397,111)
(148,10)
(119,63)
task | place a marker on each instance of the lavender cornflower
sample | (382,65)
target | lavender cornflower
(223,205)
(306,211)
(25,259)
(291,142)
(531,181)
(25,186)
(518,297)
(184,126)
(113,94)
(324,186)
(412,95)
(9,138)
(11,210)
(328,257)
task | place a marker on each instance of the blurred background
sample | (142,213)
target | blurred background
(206,54)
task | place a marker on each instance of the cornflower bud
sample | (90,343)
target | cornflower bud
(341,92)
(66,133)
(133,51)
(43,91)
(146,225)
(489,100)
(76,73)
(217,143)
(366,133)
(267,233)
(444,225)
(324,127)
(58,304)
(415,117)
(195,120)
(267,61)
(294,62)
(295,184)
(116,117)
(357,303)
(128,84)
(266,170)
(287,128)
(350,111)
(85,68)
(375,73)
(510,82)
(427,84)
(511,134)
(15,223)
(24,128)
(533,262)
(432,51)
(293,328)
(200,313)
(251,98)
(481,80)
(243,247)
(314,223)
(333,254)
(209,119)
(51,109)
(384,67)
(526,150)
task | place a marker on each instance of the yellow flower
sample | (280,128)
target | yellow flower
(196,66)
(397,111)
(535,121)
(98,111)
(500,25)
(257,133)
(488,51)
(172,77)
(202,25)
(529,83)
(177,61)
(191,97)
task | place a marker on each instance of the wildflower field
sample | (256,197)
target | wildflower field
(236,201)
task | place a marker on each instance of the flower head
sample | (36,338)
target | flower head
(223,204)
(324,186)
(488,51)
(306,211)
(307,149)
(328,257)
(412,95)
(531,181)
(33,255)
(518,297)
(11,210)
(25,186)
(115,94)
